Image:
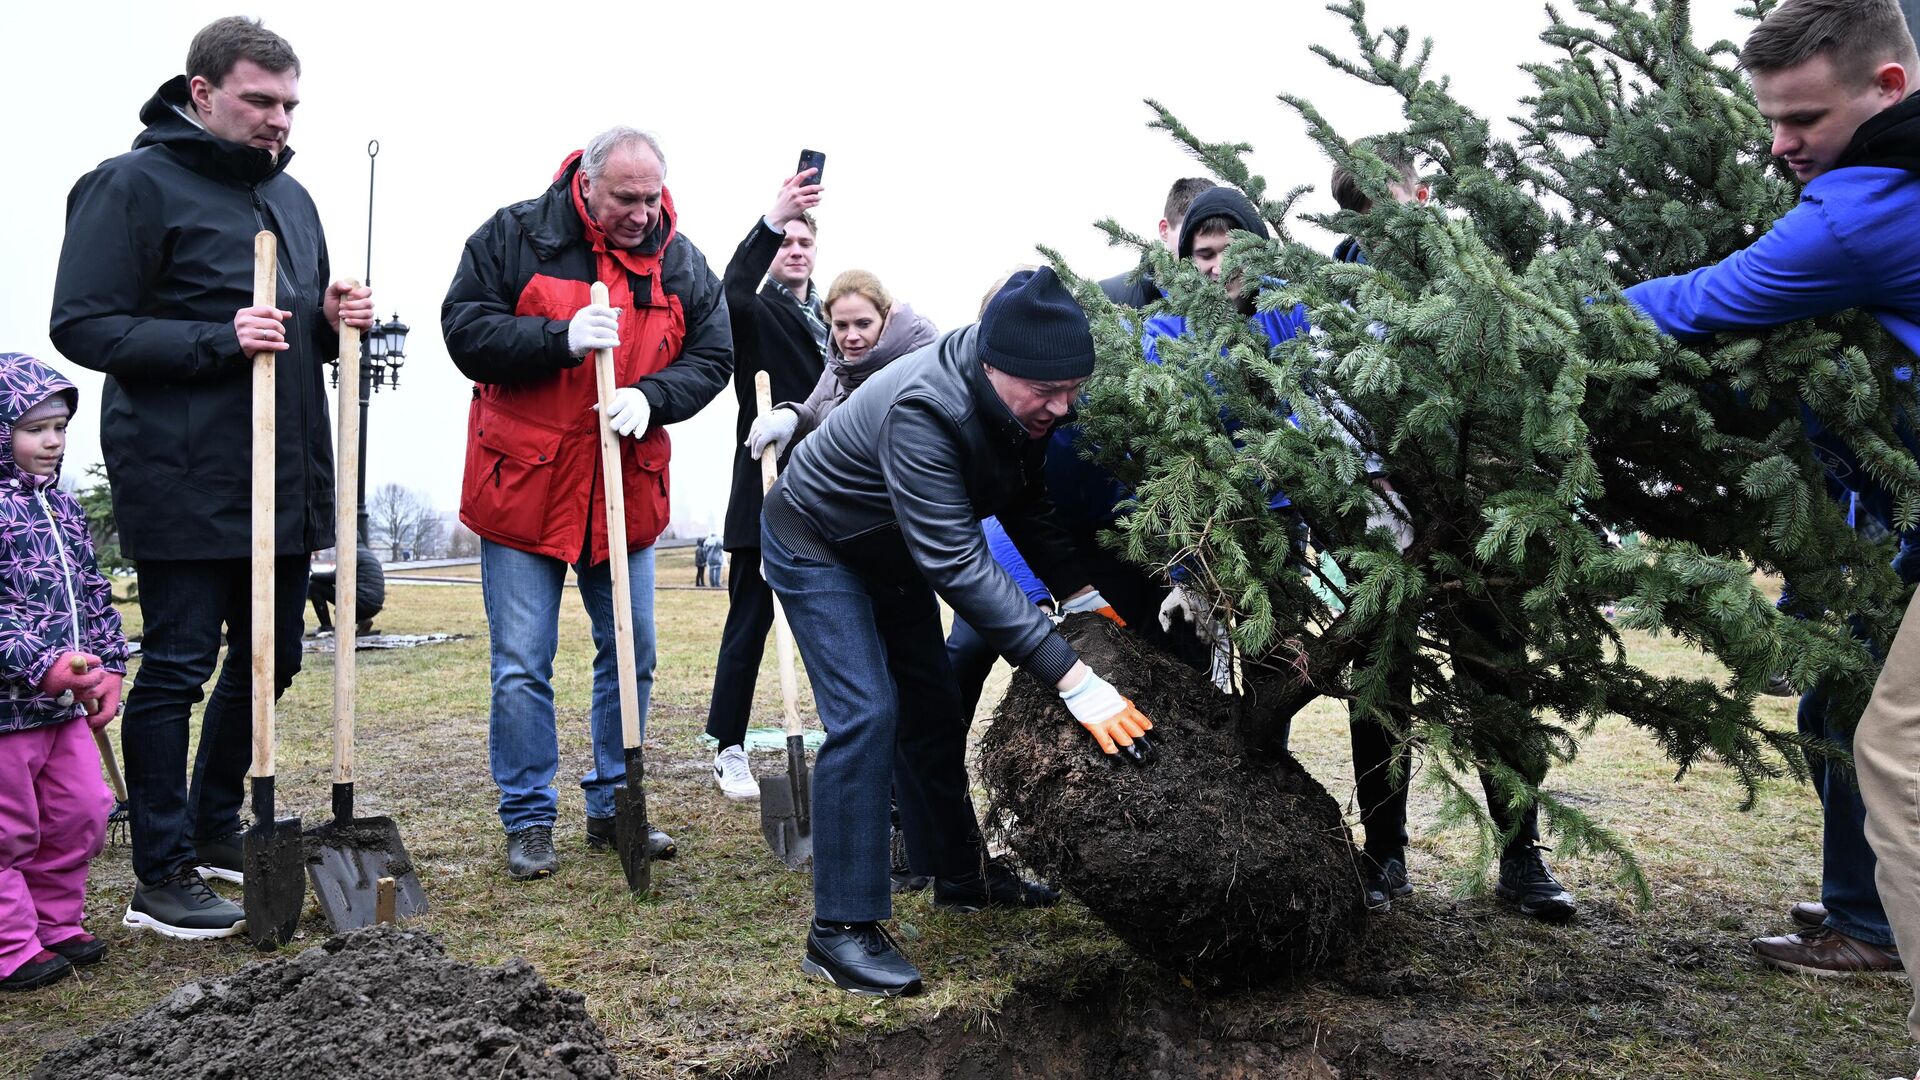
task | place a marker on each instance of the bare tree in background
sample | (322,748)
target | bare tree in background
(462,543)
(402,519)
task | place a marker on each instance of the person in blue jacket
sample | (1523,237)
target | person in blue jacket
(1834,78)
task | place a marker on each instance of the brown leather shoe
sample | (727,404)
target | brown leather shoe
(1826,952)
(1808,913)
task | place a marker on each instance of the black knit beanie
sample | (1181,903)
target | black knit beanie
(1220,202)
(1034,329)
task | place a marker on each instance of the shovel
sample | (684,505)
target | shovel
(630,796)
(276,886)
(786,802)
(349,857)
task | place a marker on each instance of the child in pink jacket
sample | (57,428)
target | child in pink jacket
(62,659)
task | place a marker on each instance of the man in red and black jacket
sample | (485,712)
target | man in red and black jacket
(518,321)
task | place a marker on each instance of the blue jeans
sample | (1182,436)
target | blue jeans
(522,594)
(878,666)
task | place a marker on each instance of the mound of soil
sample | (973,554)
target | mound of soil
(1227,867)
(376,1003)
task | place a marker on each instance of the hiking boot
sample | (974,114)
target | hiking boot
(1808,913)
(859,958)
(600,839)
(44,968)
(734,778)
(81,949)
(530,853)
(899,874)
(998,886)
(1825,951)
(184,906)
(223,857)
(1383,879)
(1526,883)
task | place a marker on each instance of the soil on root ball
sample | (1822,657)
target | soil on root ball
(375,1003)
(1229,868)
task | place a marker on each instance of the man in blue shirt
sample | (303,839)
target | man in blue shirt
(1834,78)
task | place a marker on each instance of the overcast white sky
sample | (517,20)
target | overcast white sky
(957,137)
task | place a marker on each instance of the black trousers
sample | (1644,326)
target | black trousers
(742,643)
(186,605)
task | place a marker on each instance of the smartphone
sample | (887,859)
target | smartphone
(813,159)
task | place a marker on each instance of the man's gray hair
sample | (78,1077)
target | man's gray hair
(604,145)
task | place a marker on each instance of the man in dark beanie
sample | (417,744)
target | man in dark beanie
(877,513)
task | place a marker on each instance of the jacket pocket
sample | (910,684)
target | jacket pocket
(510,473)
(643,476)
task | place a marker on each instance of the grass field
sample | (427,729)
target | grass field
(703,976)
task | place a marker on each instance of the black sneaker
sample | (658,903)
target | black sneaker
(859,958)
(1383,879)
(899,874)
(184,906)
(1526,883)
(660,846)
(223,857)
(81,949)
(43,969)
(999,886)
(530,853)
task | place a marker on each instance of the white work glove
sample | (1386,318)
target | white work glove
(1113,721)
(777,427)
(629,412)
(1185,603)
(595,326)
(1092,601)
(1394,517)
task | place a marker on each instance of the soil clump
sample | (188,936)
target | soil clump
(1229,867)
(375,1003)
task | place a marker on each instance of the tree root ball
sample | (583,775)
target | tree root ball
(1228,868)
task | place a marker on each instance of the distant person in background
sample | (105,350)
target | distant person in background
(779,327)
(716,555)
(700,563)
(369,591)
(1141,291)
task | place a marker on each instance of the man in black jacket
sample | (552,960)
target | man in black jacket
(780,328)
(879,512)
(155,289)
(1141,291)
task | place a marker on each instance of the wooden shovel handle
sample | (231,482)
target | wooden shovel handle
(616,499)
(114,779)
(262,577)
(782,633)
(346,547)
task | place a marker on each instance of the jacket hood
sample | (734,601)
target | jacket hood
(1890,139)
(906,331)
(166,116)
(559,218)
(1220,202)
(24,383)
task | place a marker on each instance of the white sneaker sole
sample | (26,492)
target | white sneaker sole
(808,967)
(135,920)
(234,876)
(751,794)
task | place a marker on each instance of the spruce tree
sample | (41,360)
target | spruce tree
(1484,359)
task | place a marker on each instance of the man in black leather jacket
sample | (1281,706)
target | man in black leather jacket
(878,510)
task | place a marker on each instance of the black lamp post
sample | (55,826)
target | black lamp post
(383,348)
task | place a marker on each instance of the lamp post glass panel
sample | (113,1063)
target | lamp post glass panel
(383,348)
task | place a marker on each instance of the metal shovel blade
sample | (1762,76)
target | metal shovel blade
(345,862)
(276,885)
(630,826)
(786,809)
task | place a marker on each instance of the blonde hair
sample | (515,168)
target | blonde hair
(860,283)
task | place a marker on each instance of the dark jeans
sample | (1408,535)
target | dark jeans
(887,698)
(742,641)
(185,605)
(1379,755)
(972,661)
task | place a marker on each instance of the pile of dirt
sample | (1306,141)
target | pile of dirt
(376,1003)
(1227,867)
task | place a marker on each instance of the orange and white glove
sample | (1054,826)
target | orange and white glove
(1112,720)
(1091,600)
